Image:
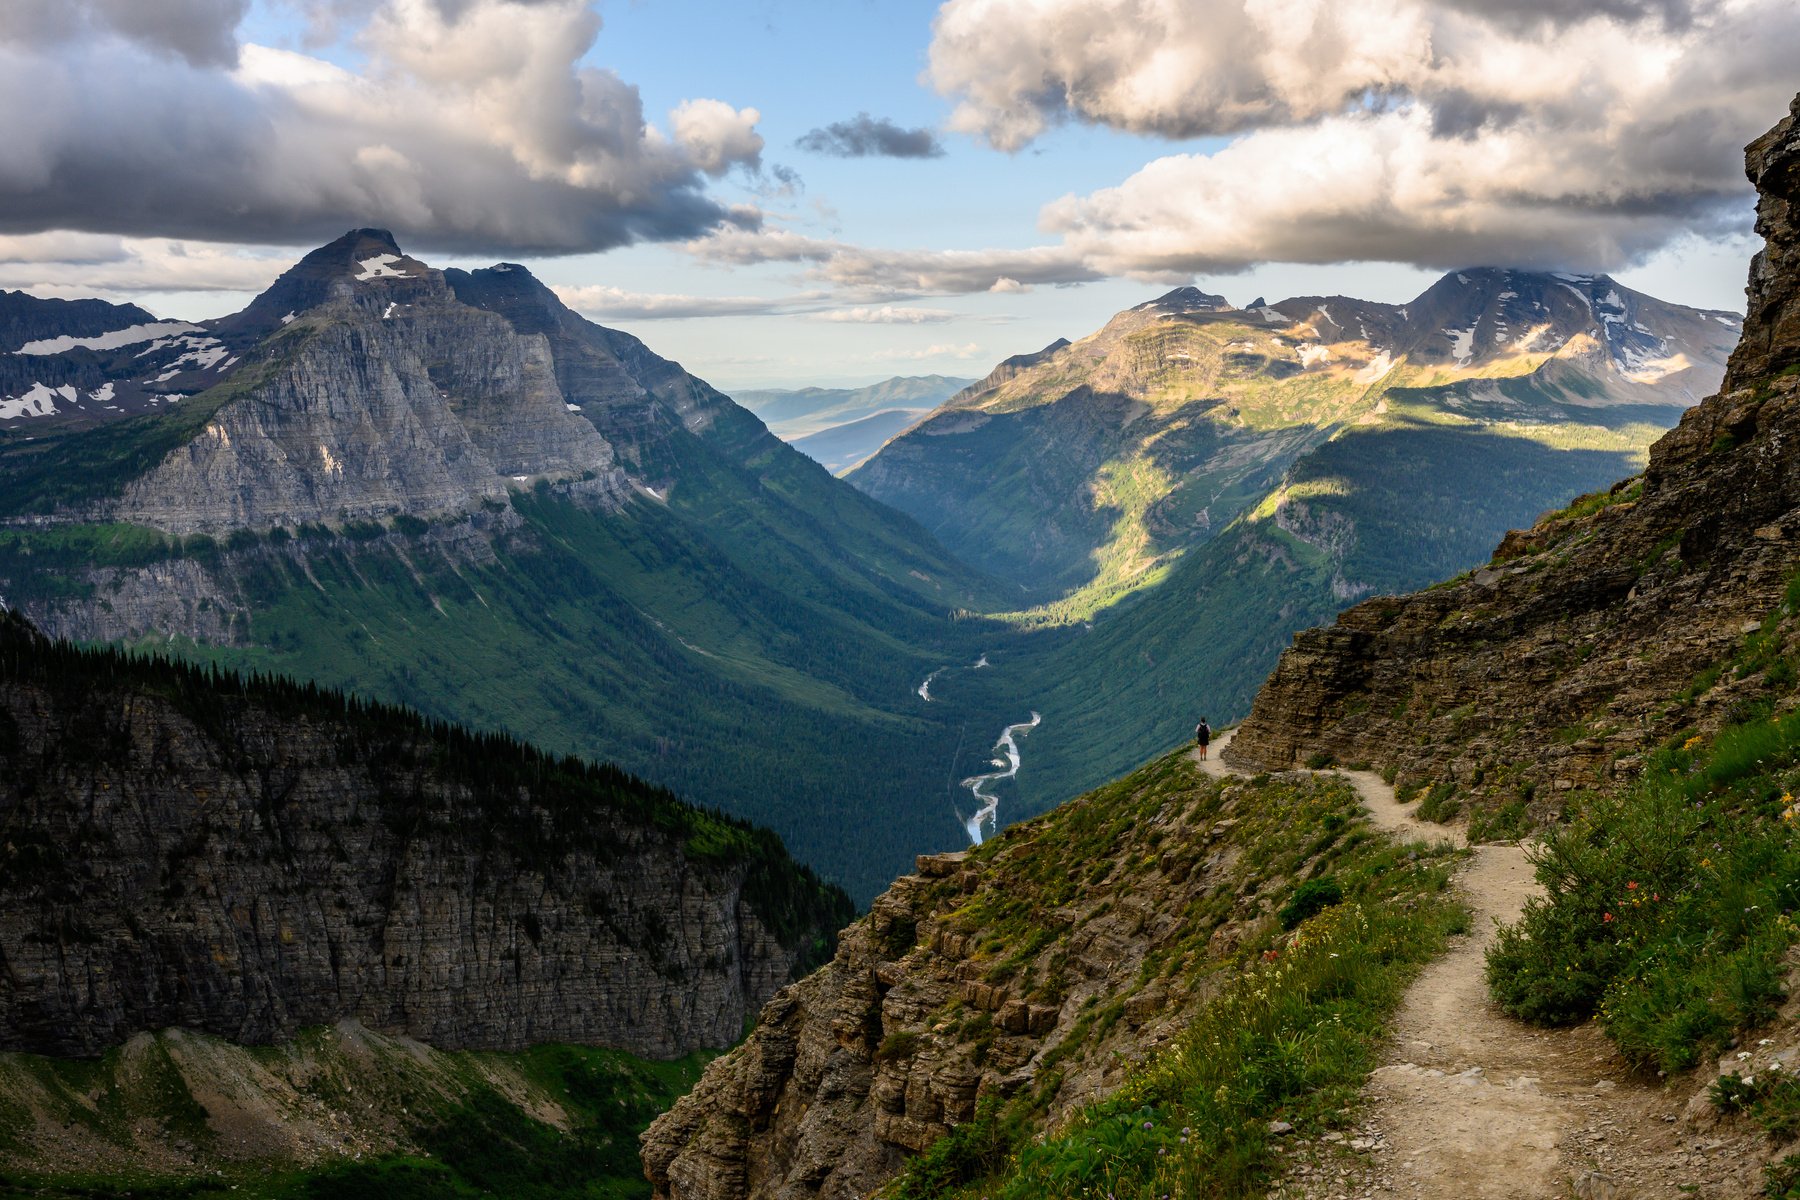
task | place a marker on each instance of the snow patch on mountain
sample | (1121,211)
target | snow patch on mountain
(40,401)
(381,266)
(1462,344)
(107,341)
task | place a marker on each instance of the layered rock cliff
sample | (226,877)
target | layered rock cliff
(1552,666)
(181,849)
(381,394)
(1041,968)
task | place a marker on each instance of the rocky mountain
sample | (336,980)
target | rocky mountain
(446,489)
(245,864)
(793,413)
(995,1025)
(1008,993)
(1573,638)
(246,859)
(76,363)
(1096,464)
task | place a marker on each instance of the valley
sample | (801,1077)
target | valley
(610,601)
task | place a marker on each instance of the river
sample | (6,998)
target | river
(987,814)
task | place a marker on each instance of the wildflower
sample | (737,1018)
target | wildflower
(1606,919)
(1692,742)
(1631,885)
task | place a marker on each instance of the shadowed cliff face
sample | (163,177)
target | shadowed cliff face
(177,850)
(1552,667)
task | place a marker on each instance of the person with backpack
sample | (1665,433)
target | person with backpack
(1203,735)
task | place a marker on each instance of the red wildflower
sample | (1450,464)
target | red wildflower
(1607,919)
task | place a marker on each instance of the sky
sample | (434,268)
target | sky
(791,192)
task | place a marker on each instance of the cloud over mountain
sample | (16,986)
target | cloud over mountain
(472,127)
(1436,132)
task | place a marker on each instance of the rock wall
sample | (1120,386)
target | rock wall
(370,406)
(174,852)
(1553,666)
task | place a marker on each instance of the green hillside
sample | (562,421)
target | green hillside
(1388,506)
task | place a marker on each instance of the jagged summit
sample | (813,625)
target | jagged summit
(1187,299)
(365,264)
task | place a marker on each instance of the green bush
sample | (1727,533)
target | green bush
(1310,899)
(1666,909)
(1440,804)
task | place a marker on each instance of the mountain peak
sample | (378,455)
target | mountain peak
(513,292)
(1188,299)
(334,270)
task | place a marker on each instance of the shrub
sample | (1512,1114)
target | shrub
(1309,899)
(1665,911)
(1440,804)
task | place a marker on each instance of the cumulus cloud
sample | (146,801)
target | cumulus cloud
(718,136)
(201,31)
(864,136)
(474,127)
(1436,132)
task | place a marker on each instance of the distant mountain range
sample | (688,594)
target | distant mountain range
(799,412)
(444,488)
(1091,465)
(1178,493)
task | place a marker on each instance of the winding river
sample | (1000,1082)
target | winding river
(987,814)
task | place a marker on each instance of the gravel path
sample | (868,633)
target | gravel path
(1470,1103)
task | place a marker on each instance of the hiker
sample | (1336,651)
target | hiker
(1203,735)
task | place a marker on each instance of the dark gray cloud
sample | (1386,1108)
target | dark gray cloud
(204,32)
(454,146)
(864,136)
(1516,14)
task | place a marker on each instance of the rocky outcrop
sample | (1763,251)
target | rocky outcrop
(1553,666)
(1045,963)
(178,849)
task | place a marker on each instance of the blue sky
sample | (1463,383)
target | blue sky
(1160,160)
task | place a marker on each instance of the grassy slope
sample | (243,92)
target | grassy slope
(1286,1022)
(1429,495)
(412,1123)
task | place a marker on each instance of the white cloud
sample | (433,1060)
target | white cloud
(939,350)
(473,127)
(887,314)
(1435,132)
(718,136)
(894,274)
(78,264)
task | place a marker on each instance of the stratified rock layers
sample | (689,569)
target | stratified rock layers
(246,863)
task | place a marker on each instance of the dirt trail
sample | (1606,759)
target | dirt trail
(1470,1103)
